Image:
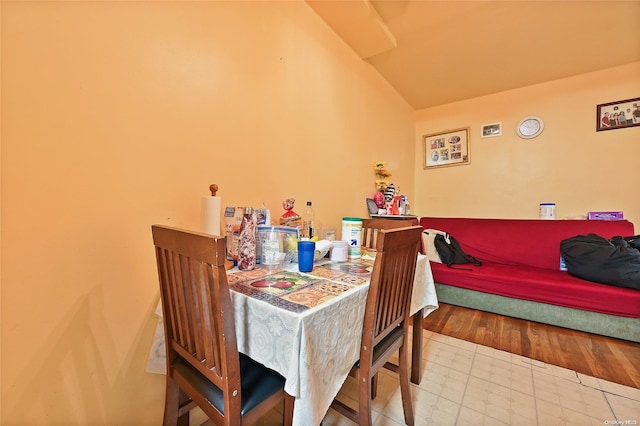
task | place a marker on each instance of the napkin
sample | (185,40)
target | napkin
(323,246)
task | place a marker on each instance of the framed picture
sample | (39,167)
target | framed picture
(450,148)
(491,130)
(618,115)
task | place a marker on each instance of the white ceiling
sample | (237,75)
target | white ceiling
(437,52)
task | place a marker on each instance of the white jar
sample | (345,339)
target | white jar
(352,234)
(547,211)
(339,251)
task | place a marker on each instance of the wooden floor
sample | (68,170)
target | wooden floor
(594,355)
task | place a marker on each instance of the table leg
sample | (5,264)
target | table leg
(416,352)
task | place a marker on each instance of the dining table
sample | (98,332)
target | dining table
(308,326)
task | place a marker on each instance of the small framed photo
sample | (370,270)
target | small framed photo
(490,130)
(450,148)
(618,115)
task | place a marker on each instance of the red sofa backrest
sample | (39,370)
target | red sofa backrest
(521,241)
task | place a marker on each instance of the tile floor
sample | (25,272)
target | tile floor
(466,384)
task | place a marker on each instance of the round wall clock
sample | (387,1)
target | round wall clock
(530,127)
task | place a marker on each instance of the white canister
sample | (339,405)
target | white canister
(548,211)
(339,251)
(352,234)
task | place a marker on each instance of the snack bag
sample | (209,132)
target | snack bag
(232,222)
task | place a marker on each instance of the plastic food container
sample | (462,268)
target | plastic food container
(276,239)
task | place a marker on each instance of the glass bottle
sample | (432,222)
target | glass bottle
(308,224)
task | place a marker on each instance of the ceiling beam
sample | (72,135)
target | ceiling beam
(357,23)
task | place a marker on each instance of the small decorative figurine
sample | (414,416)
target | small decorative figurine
(389,193)
(395,205)
(378,198)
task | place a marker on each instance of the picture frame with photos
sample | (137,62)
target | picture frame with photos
(618,114)
(491,130)
(447,148)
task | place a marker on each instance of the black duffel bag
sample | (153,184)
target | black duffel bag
(607,261)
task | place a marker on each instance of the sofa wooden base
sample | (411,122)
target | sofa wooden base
(590,322)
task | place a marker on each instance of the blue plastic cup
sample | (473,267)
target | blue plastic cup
(306,252)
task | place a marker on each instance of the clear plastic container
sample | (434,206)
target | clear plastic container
(285,238)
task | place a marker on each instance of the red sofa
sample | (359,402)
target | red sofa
(521,261)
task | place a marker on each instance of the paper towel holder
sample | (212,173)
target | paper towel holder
(213,188)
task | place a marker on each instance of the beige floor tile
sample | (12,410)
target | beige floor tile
(386,421)
(573,396)
(456,357)
(618,389)
(444,381)
(428,409)
(465,384)
(624,409)
(503,372)
(555,371)
(500,402)
(469,417)
(505,356)
(552,414)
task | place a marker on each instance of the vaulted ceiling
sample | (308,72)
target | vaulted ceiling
(437,52)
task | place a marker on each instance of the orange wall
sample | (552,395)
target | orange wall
(118,115)
(570,163)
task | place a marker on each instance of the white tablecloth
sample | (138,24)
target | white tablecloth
(315,349)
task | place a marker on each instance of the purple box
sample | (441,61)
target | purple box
(605,216)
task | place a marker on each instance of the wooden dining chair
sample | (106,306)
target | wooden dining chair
(370,230)
(386,320)
(203,362)
(371,227)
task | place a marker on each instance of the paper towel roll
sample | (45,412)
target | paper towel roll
(210,215)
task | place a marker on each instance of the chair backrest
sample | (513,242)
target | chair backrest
(371,227)
(389,297)
(197,308)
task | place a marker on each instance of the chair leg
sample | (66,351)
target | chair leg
(184,401)
(405,387)
(364,404)
(171,403)
(374,386)
(288,410)
(416,350)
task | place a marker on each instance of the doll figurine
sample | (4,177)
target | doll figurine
(289,217)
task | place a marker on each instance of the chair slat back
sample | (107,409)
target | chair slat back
(196,304)
(389,297)
(371,227)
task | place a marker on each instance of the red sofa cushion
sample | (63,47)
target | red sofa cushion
(522,260)
(542,285)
